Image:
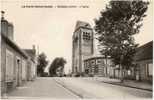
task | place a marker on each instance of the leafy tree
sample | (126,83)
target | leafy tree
(57,63)
(42,63)
(115,29)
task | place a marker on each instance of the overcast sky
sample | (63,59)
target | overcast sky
(52,28)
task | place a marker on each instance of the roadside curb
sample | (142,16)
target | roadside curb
(77,91)
(77,94)
(127,86)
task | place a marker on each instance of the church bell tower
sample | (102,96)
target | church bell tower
(82,45)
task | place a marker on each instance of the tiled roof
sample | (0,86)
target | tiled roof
(144,52)
(30,52)
(14,46)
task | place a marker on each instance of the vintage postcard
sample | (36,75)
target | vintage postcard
(76,49)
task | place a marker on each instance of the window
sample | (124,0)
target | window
(9,65)
(76,69)
(87,71)
(96,69)
(86,36)
(88,65)
(129,72)
(92,62)
(150,69)
(98,61)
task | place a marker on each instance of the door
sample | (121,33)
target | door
(18,71)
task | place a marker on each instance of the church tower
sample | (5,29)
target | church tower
(82,45)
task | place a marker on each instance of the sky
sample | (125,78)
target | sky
(51,29)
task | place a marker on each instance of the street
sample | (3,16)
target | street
(41,88)
(76,88)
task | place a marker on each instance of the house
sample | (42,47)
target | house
(144,61)
(31,63)
(142,68)
(143,65)
(17,65)
(13,59)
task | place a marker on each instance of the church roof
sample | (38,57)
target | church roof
(95,57)
(82,24)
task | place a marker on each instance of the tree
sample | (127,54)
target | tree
(58,62)
(42,63)
(115,29)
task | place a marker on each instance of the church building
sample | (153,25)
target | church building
(82,46)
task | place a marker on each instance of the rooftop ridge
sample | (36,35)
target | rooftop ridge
(82,24)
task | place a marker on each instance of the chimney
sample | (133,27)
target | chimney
(2,15)
(10,31)
(34,49)
(6,27)
(4,24)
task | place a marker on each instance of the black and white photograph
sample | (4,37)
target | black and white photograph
(76,49)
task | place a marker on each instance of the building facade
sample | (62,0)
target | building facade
(82,46)
(14,60)
(84,59)
(142,68)
(144,61)
(98,65)
(95,66)
(31,63)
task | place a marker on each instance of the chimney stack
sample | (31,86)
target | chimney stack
(10,31)
(2,15)
(34,49)
(4,24)
(6,27)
